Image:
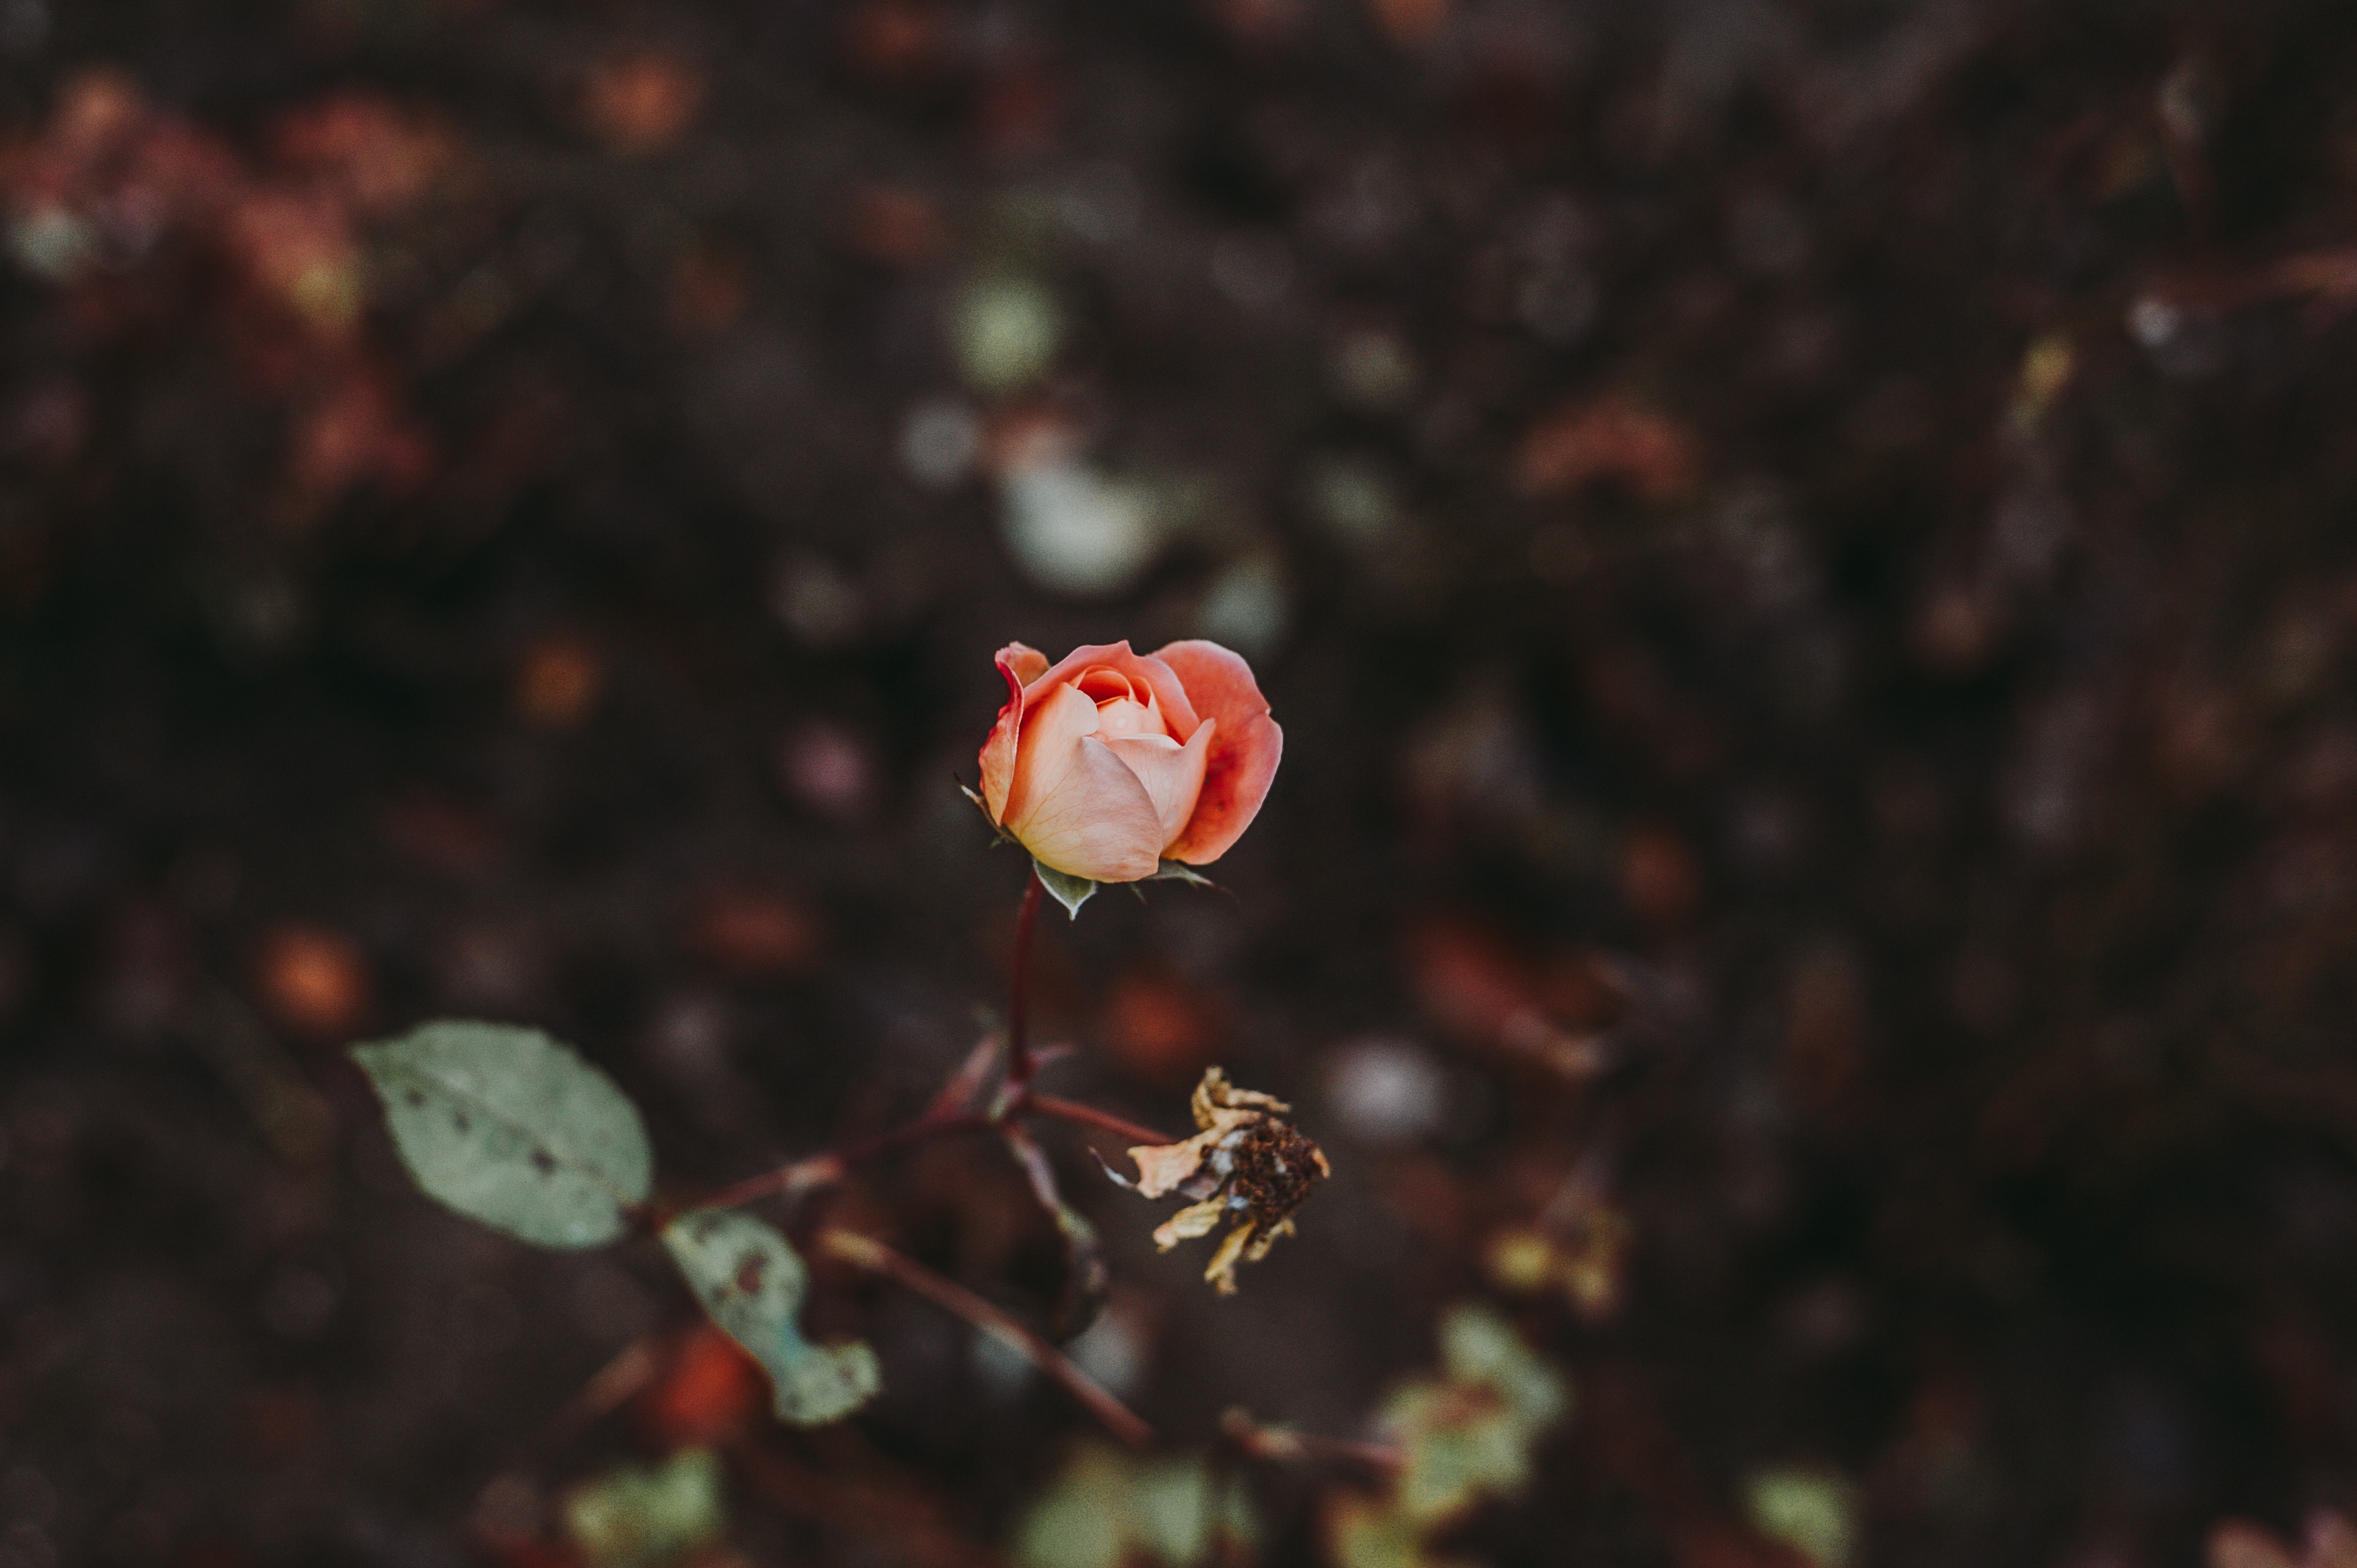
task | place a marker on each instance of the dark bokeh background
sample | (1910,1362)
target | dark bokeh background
(1804,551)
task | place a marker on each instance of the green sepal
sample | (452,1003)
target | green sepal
(1071,892)
(1179,871)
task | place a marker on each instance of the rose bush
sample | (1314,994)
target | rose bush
(1108,763)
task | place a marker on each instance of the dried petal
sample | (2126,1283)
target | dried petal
(1160,1169)
(1190,1223)
(1223,1272)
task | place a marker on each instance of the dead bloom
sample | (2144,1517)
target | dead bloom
(1247,1164)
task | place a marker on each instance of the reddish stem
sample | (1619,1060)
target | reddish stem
(1018,1001)
(876,1257)
(1090,1116)
(819,1170)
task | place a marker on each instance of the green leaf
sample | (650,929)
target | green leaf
(510,1128)
(752,1283)
(1107,1510)
(638,1518)
(1469,1435)
(1071,892)
(1179,871)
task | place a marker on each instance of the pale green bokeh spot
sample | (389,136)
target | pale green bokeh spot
(1813,1512)
(1005,332)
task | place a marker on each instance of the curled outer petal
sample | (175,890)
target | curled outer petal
(1244,749)
(1150,672)
(1016,665)
(1073,803)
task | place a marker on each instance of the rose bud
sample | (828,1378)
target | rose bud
(1110,763)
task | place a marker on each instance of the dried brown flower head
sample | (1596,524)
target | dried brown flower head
(1247,1164)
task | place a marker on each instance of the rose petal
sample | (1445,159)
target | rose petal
(1169,690)
(1265,1240)
(1073,803)
(1244,753)
(1162,1167)
(998,751)
(1215,1096)
(1172,773)
(1189,1222)
(1223,1272)
(1029,662)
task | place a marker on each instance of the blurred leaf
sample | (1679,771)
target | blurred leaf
(1071,892)
(1479,1347)
(1810,1510)
(752,1283)
(640,1519)
(1106,1510)
(510,1128)
(1369,1532)
(1467,1435)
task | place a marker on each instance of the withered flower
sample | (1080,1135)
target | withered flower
(1247,1164)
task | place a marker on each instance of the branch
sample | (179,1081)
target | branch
(1258,1442)
(825,1170)
(866,1252)
(1090,1116)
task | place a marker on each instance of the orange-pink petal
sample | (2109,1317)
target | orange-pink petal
(1172,773)
(1244,750)
(1169,689)
(1072,802)
(998,751)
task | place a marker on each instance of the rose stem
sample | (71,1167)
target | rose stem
(1251,1438)
(1019,1043)
(1090,1116)
(868,1253)
(818,1170)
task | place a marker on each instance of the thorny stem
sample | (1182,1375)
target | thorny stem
(1019,1045)
(866,1252)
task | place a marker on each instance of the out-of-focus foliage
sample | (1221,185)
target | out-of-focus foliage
(1813,1512)
(1466,1434)
(631,1518)
(510,1128)
(1107,1508)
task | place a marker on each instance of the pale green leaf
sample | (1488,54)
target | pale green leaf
(1369,1532)
(1107,1510)
(1071,892)
(1467,1435)
(1179,871)
(752,1283)
(510,1128)
(1479,1346)
(640,1519)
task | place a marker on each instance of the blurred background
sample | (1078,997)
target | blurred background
(1803,550)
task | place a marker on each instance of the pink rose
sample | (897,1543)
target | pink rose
(1110,763)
